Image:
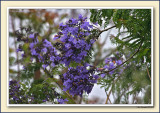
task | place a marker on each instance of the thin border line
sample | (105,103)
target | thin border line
(84,105)
(79,0)
(81,112)
(0,57)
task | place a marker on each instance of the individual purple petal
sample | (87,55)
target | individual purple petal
(96,76)
(18,50)
(31,36)
(62,101)
(53,64)
(56,37)
(46,43)
(44,50)
(44,66)
(92,41)
(119,62)
(67,45)
(33,52)
(52,58)
(103,75)
(80,17)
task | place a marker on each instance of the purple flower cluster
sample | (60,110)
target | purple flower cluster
(79,79)
(74,43)
(44,51)
(62,101)
(16,94)
(111,63)
(14,89)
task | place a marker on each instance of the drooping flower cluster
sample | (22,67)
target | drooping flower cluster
(111,63)
(79,79)
(16,94)
(42,50)
(74,43)
(45,52)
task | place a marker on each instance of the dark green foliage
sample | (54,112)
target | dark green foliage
(43,90)
(136,24)
(29,71)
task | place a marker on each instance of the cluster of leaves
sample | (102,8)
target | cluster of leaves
(134,30)
(39,92)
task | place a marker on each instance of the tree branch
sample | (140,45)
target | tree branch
(148,74)
(124,61)
(108,95)
(105,30)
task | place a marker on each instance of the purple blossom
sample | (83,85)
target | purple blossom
(67,45)
(46,43)
(103,75)
(74,45)
(79,79)
(44,66)
(52,58)
(18,50)
(33,52)
(56,37)
(62,101)
(119,62)
(32,45)
(92,41)
(107,60)
(44,50)
(111,63)
(53,64)
(31,36)
(44,100)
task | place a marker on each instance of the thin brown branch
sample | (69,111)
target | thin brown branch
(105,30)
(110,101)
(124,61)
(148,74)
(112,87)
(108,95)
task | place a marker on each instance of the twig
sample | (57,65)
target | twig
(148,74)
(112,87)
(124,61)
(110,101)
(105,30)
(109,95)
(97,28)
